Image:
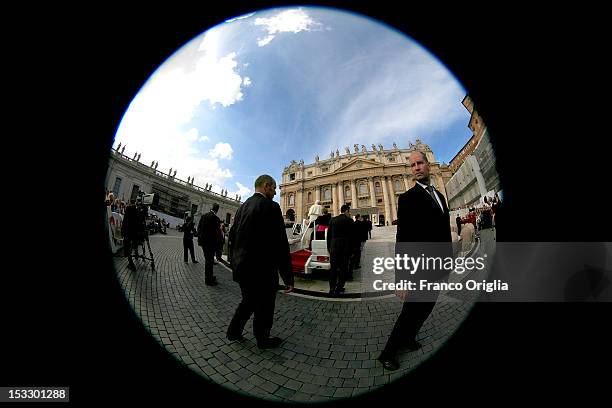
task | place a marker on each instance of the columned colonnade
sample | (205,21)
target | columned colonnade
(335,197)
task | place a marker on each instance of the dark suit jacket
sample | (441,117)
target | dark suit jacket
(260,249)
(341,237)
(208,230)
(188,231)
(362,229)
(419,218)
(423,228)
(323,219)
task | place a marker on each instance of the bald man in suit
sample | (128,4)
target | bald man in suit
(423,221)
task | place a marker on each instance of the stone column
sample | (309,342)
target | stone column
(318,193)
(372,193)
(335,208)
(299,204)
(392,199)
(340,195)
(406,182)
(354,201)
(383,181)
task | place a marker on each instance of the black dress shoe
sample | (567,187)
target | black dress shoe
(388,363)
(340,290)
(195,261)
(271,342)
(413,345)
(233,337)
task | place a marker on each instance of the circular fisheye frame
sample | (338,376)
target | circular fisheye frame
(258,185)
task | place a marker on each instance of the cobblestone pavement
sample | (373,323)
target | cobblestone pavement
(330,345)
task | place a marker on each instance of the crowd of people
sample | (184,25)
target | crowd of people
(153,223)
(480,217)
(116,204)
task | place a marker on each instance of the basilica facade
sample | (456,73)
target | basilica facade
(370,180)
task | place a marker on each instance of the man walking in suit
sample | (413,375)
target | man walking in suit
(208,239)
(260,251)
(423,220)
(340,244)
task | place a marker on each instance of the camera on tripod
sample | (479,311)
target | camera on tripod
(137,233)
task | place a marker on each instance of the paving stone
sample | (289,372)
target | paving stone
(343,392)
(294,385)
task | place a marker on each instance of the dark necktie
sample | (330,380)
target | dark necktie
(433,195)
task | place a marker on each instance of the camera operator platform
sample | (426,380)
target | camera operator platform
(134,230)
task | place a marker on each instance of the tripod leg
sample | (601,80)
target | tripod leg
(150,254)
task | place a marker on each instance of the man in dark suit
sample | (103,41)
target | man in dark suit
(361,232)
(368,222)
(322,221)
(188,234)
(340,244)
(260,251)
(424,223)
(208,239)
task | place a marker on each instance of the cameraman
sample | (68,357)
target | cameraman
(133,229)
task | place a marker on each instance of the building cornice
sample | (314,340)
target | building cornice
(166,179)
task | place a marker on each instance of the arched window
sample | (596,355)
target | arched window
(363,189)
(327,194)
(377,187)
(291,199)
(309,197)
(396,185)
(347,192)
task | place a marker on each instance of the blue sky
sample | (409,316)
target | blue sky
(251,94)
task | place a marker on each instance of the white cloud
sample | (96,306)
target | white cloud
(242,191)
(246,81)
(265,41)
(288,21)
(155,121)
(394,101)
(221,150)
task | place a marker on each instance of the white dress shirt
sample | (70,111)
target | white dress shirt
(437,198)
